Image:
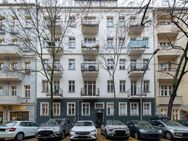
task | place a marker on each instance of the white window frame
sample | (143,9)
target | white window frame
(71,106)
(71,88)
(45,88)
(46,110)
(122,110)
(109,21)
(110,87)
(1,90)
(99,103)
(56,108)
(109,42)
(87,108)
(135,111)
(146,109)
(72,42)
(27,91)
(122,86)
(146,86)
(109,111)
(13,90)
(166,90)
(72,64)
(110,65)
(122,63)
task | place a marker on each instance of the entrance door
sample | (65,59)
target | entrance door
(99,119)
(1,117)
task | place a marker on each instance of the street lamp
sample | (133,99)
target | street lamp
(145,69)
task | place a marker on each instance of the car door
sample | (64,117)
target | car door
(33,126)
(24,127)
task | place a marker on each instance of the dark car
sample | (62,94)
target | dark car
(54,128)
(144,130)
(115,129)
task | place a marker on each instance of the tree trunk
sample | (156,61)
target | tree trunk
(51,102)
(170,105)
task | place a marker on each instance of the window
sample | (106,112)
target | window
(122,85)
(145,62)
(146,86)
(72,42)
(46,64)
(122,64)
(99,105)
(1,65)
(44,86)
(147,108)
(72,21)
(110,87)
(122,108)
(13,90)
(2,41)
(85,109)
(166,90)
(164,44)
(71,108)
(44,108)
(109,108)
(56,87)
(27,91)
(71,64)
(164,67)
(56,109)
(27,67)
(109,42)
(1,90)
(121,42)
(175,114)
(14,66)
(110,64)
(134,109)
(121,20)
(71,86)
(110,22)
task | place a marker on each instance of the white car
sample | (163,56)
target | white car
(83,130)
(18,130)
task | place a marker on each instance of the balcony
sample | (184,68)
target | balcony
(6,75)
(54,48)
(135,93)
(135,70)
(137,47)
(166,27)
(57,69)
(90,71)
(163,100)
(58,94)
(135,27)
(10,51)
(11,100)
(90,26)
(90,93)
(167,53)
(90,49)
(165,75)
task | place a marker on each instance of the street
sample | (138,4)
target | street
(99,138)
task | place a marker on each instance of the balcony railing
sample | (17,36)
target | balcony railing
(136,70)
(10,75)
(13,51)
(89,67)
(58,69)
(135,27)
(54,48)
(135,92)
(57,93)
(90,92)
(90,26)
(137,47)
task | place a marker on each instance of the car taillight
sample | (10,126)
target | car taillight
(12,129)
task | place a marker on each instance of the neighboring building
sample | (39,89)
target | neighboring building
(84,89)
(166,33)
(17,82)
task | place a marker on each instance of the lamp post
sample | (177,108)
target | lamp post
(145,69)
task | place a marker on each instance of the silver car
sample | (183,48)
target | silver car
(171,129)
(115,129)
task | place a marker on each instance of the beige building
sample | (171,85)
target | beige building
(166,61)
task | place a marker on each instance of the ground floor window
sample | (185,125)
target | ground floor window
(56,108)
(85,109)
(1,117)
(109,108)
(175,113)
(147,108)
(122,108)
(134,109)
(71,108)
(19,115)
(44,108)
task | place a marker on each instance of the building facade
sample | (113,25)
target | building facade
(17,81)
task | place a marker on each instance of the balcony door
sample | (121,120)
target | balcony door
(90,88)
(133,65)
(133,87)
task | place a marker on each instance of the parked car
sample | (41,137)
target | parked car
(183,122)
(144,130)
(115,129)
(54,128)
(171,129)
(18,130)
(83,130)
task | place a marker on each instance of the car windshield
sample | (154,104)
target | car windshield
(143,124)
(114,122)
(171,123)
(55,122)
(9,123)
(84,123)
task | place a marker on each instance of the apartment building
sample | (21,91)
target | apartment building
(17,81)
(166,33)
(84,88)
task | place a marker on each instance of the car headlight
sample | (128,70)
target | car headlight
(93,131)
(160,131)
(142,130)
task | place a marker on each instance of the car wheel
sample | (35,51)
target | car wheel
(168,135)
(63,135)
(19,137)
(136,135)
